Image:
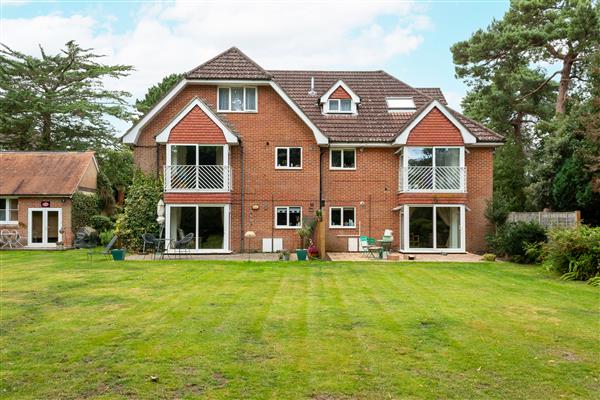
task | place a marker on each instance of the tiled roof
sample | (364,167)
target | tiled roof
(373,123)
(434,93)
(231,64)
(42,173)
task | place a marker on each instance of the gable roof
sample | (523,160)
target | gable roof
(434,93)
(231,64)
(228,132)
(346,89)
(43,173)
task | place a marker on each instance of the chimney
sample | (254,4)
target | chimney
(312,92)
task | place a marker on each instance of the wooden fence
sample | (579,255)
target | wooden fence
(567,219)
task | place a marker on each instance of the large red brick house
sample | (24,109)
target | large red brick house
(247,149)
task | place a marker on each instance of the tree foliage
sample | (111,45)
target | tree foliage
(58,102)
(561,34)
(83,207)
(157,92)
(139,215)
(117,164)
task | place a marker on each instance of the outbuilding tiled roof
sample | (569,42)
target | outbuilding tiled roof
(42,173)
(231,64)
(373,123)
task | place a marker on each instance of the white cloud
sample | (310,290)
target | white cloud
(175,37)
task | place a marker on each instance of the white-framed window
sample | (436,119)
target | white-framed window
(342,217)
(342,159)
(433,168)
(237,99)
(341,106)
(9,211)
(288,217)
(288,157)
(400,104)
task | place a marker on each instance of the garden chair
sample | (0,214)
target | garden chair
(183,244)
(105,252)
(373,250)
(149,242)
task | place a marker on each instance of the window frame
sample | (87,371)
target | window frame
(229,110)
(331,226)
(342,149)
(288,157)
(339,110)
(277,226)
(7,210)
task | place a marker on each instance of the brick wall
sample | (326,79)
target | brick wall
(371,188)
(340,93)
(25,203)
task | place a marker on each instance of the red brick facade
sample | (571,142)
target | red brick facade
(340,93)
(372,187)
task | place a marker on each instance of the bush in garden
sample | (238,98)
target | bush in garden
(514,238)
(106,236)
(574,253)
(83,207)
(101,223)
(139,213)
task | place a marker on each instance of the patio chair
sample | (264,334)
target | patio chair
(183,244)
(150,242)
(104,252)
(373,250)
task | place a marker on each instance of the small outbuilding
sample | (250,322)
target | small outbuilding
(36,189)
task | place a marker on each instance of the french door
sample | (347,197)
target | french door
(434,228)
(45,227)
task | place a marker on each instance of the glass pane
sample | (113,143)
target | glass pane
(183,155)
(420,227)
(36,226)
(209,155)
(295,157)
(420,156)
(3,203)
(349,158)
(14,214)
(237,99)
(210,227)
(295,216)
(336,217)
(52,227)
(333,105)
(223,98)
(281,216)
(250,99)
(447,157)
(348,216)
(448,227)
(3,214)
(336,158)
(346,105)
(282,158)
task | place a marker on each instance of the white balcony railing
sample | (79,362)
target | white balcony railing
(432,179)
(197,178)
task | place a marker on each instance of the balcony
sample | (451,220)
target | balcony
(197,178)
(432,179)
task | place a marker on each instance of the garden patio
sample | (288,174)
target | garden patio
(313,330)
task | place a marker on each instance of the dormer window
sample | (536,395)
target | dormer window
(340,105)
(340,99)
(400,104)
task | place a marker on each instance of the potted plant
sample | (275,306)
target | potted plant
(118,254)
(304,234)
(284,255)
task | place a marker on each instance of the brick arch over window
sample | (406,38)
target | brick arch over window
(435,129)
(197,127)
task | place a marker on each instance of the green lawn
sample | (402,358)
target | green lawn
(74,329)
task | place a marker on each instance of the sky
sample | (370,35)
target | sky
(408,39)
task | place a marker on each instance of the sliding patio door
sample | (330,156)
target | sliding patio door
(434,228)
(208,223)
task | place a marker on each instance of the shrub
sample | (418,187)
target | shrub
(83,207)
(105,236)
(139,213)
(489,257)
(514,238)
(101,223)
(574,253)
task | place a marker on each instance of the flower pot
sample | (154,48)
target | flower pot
(118,254)
(301,254)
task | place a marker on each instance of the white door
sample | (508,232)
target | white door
(45,227)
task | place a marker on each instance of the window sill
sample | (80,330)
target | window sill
(292,168)
(288,227)
(7,223)
(342,169)
(342,227)
(237,112)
